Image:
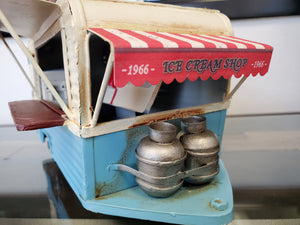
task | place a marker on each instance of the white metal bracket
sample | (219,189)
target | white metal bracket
(237,86)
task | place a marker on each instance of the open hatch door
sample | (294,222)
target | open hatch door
(34,19)
(35,114)
(39,21)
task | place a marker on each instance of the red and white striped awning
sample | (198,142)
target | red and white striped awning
(154,56)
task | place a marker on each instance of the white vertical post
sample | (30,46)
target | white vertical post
(88,74)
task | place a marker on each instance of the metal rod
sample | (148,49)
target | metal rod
(177,176)
(102,91)
(18,63)
(35,65)
(239,84)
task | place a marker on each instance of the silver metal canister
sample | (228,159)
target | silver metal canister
(202,147)
(160,156)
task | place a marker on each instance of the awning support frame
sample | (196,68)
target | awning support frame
(237,86)
(103,88)
(18,63)
(35,65)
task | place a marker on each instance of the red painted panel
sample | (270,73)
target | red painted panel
(35,114)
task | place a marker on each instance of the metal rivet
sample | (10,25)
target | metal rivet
(173,214)
(219,204)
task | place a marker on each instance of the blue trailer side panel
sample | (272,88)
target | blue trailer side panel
(74,156)
(85,162)
(211,203)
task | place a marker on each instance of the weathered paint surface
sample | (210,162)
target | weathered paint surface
(170,116)
(190,205)
(155,17)
(119,148)
(75,158)
(124,124)
(112,148)
(84,162)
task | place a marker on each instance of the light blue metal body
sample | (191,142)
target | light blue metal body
(85,164)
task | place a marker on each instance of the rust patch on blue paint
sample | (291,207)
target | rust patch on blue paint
(145,120)
(133,137)
(98,189)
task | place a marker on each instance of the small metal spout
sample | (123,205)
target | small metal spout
(121,167)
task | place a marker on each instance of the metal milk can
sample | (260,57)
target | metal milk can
(160,157)
(202,147)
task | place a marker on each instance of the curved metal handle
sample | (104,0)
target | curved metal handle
(151,179)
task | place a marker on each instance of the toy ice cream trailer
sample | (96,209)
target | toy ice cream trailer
(132,99)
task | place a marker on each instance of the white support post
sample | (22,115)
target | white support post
(88,74)
(102,90)
(35,65)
